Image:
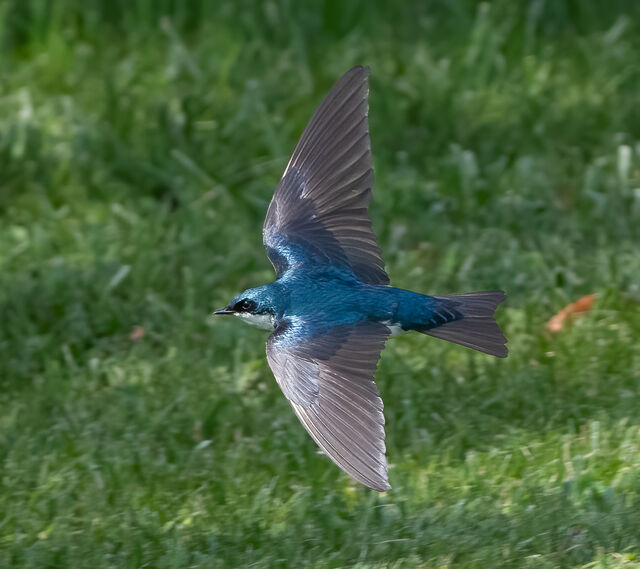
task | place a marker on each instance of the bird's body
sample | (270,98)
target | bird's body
(330,296)
(331,307)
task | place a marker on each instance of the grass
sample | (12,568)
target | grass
(139,147)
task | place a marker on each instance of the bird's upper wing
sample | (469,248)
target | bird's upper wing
(318,213)
(328,379)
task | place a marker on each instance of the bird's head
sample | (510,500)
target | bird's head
(254,305)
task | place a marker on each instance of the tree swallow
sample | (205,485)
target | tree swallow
(331,307)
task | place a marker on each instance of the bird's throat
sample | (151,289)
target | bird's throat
(264,321)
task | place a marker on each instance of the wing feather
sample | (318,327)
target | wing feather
(319,211)
(328,379)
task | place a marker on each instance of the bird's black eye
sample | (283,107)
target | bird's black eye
(245,305)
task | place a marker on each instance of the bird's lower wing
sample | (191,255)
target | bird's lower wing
(328,379)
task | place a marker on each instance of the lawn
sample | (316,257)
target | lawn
(140,143)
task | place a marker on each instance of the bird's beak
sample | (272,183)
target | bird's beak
(223,311)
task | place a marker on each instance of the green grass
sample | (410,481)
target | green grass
(140,143)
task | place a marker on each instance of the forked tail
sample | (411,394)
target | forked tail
(470,321)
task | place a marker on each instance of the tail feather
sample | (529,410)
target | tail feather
(474,325)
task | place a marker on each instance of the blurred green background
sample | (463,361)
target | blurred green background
(140,143)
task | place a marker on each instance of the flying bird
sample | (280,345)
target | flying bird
(331,308)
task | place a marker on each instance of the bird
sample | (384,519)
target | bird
(331,308)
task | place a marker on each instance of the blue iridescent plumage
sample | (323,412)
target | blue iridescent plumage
(331,308)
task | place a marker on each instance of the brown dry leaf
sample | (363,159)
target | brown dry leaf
(570,313)
(136,334)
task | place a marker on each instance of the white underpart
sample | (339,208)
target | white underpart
(394,327)
(264,321)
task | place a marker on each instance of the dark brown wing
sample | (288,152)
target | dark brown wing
(328,379)
(319,211)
